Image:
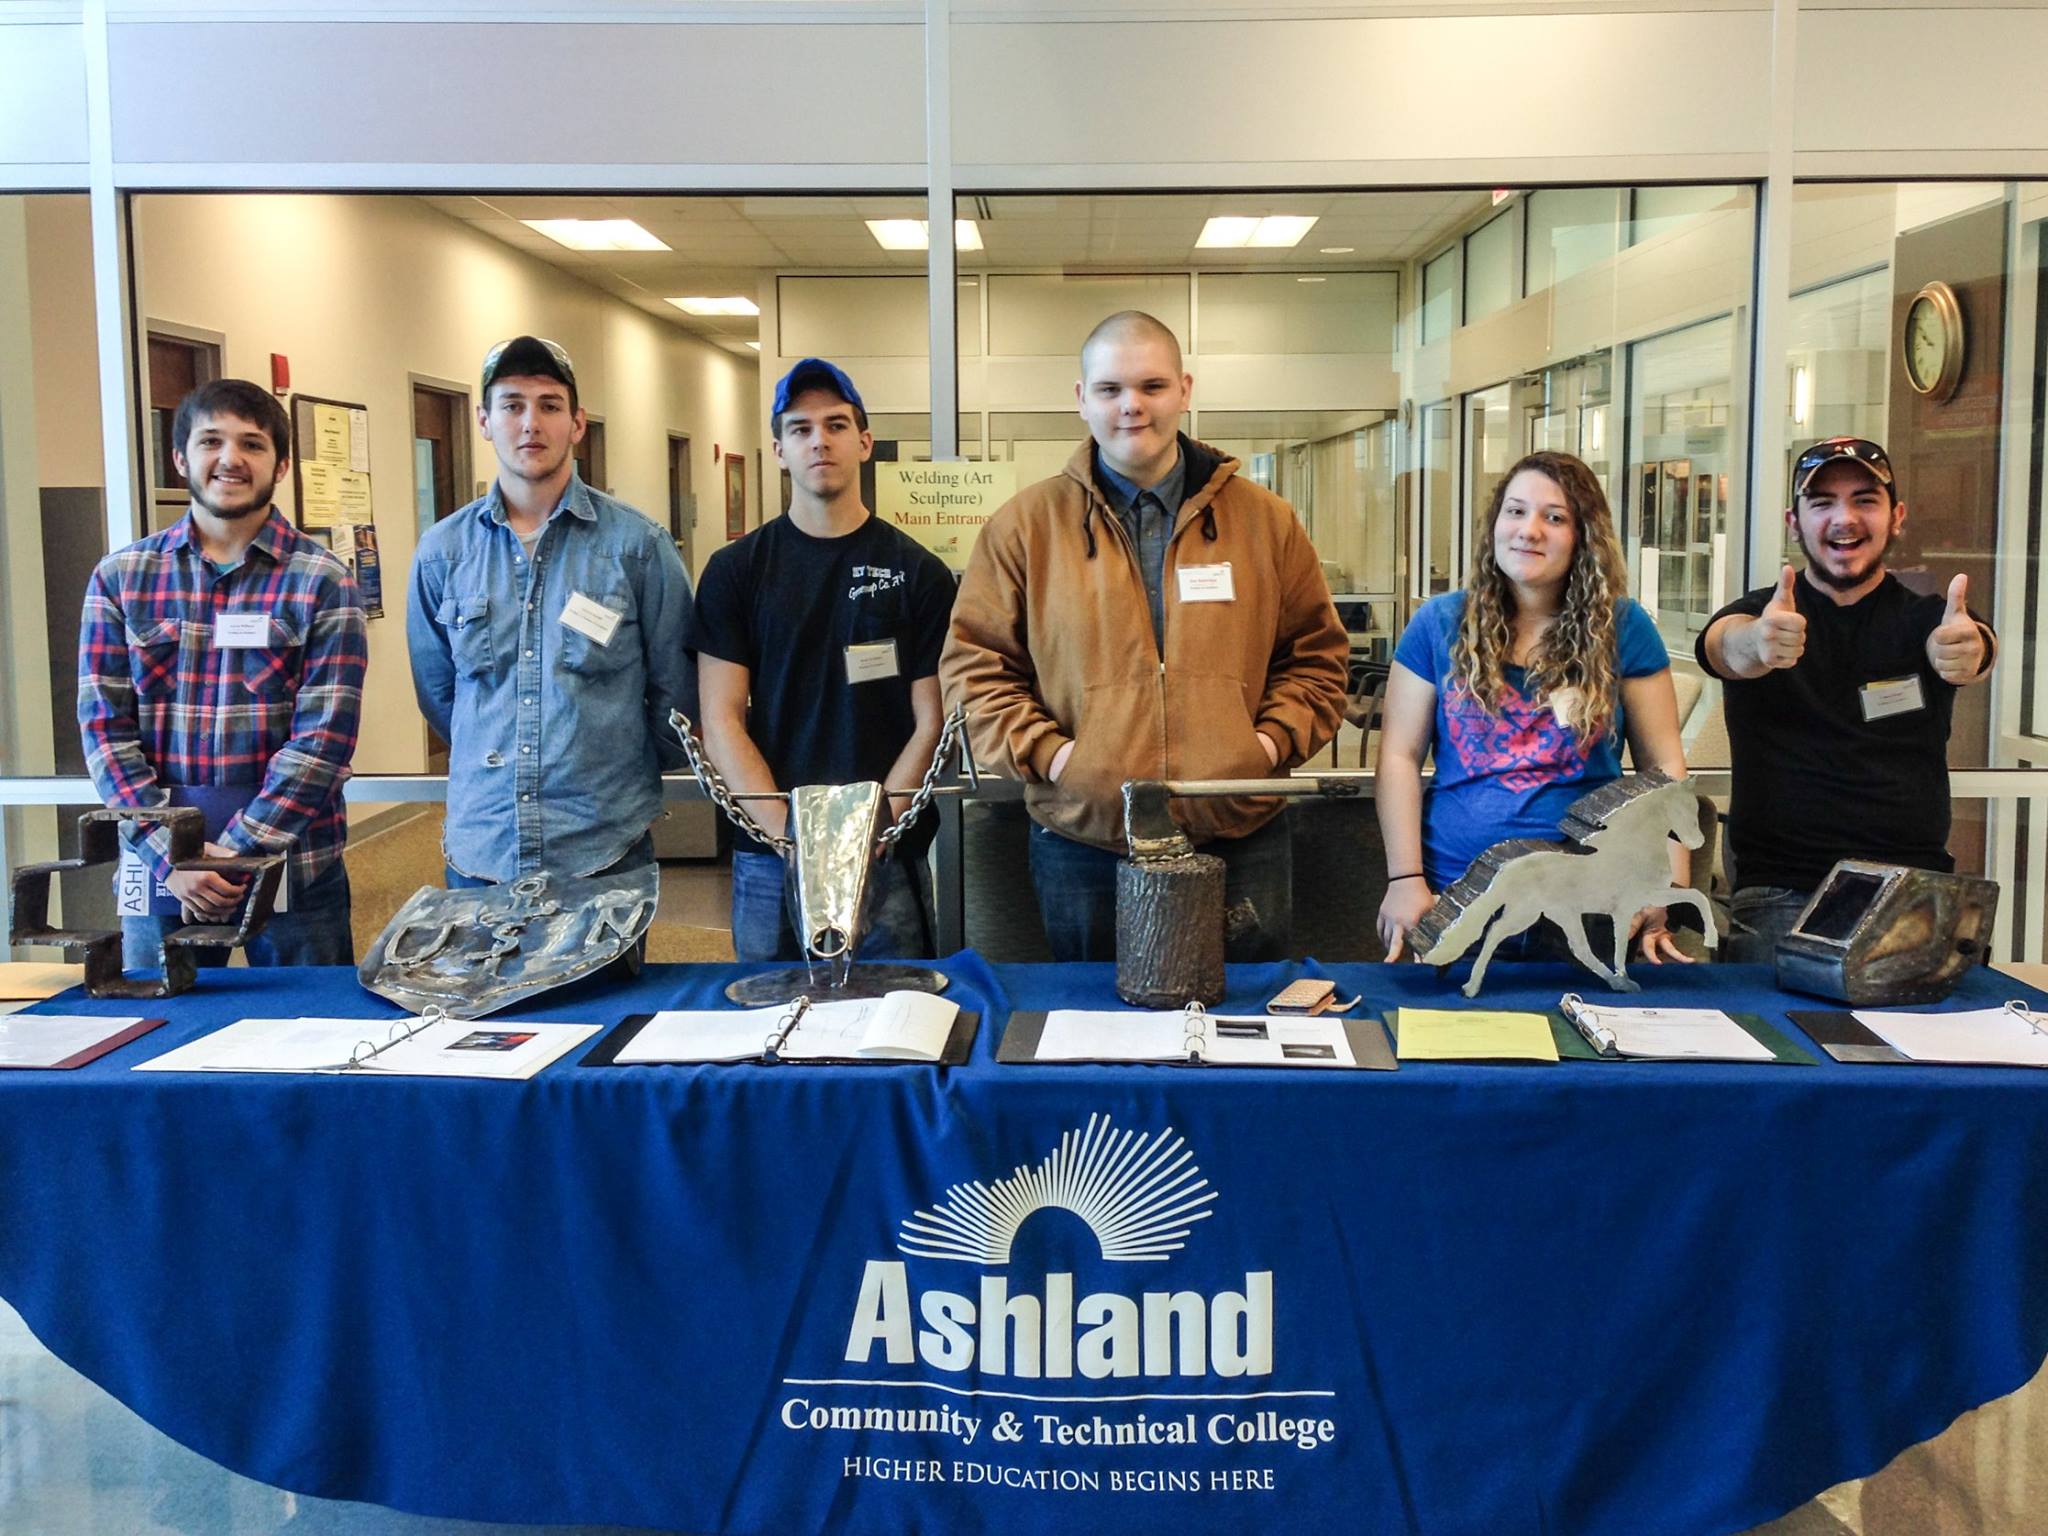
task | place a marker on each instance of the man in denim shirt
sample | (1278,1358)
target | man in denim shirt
(546,629)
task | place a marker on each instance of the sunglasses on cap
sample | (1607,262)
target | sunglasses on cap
(1836,450)
(554,349)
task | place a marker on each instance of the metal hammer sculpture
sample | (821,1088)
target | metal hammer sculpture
(99,842)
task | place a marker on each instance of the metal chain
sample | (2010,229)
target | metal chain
(923,797)
(721,795)
(721,792)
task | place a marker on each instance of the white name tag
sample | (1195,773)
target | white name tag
(1206,584)
(240,631)
(1894,696)
(588,617)
(871,661)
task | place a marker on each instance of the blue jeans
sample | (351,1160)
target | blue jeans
(314,932)
(640,853)
(763,900)
(1076,886)
(1759,916)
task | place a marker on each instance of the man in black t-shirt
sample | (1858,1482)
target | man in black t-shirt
(817,639)
(1839,689)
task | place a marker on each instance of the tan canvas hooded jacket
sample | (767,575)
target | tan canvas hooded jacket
(1052,641)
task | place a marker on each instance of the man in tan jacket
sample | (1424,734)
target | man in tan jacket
(1146,614)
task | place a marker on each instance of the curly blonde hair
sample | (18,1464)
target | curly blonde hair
(1578,650)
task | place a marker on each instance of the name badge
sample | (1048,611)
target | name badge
(241,631)
(1206,584)
(871,661)
(1893,696)
(136,890)
(589,617)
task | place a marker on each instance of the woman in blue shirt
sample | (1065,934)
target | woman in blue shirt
(1525,685)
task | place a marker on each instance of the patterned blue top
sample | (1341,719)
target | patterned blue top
(1513,774)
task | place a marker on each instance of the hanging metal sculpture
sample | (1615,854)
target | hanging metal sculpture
(99,842)
(472,952)
(1614,865)
(834,845)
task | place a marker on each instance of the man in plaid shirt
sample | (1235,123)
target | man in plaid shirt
(221,661)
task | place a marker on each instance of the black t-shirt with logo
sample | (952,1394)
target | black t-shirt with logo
(1814,780)
(786,606)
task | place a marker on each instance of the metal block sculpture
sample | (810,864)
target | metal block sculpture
(1169,908)
(1613,864)
(99,842)
(472,952)
(1880,934)
(835,843)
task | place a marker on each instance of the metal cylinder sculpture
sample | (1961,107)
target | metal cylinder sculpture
(1169,909)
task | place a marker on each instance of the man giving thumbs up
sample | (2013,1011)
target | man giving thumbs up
(1840,682)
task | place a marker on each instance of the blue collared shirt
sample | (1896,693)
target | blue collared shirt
(556,738)
(1148,513)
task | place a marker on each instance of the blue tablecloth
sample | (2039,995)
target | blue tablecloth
(1588,1298)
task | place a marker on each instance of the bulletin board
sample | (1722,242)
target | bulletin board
(331,486)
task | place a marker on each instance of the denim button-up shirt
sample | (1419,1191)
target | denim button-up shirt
(556,741)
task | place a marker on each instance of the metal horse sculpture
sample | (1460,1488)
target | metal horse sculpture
(1614,864)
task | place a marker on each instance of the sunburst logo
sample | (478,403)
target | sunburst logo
(1139,1194)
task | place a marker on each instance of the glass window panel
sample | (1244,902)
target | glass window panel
(1683,440)
(1342,312)
(1661,210)
(1569,229)
(1050,315)
(1490,268)
(1440,296)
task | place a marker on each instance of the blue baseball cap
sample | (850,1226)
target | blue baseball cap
(815,373)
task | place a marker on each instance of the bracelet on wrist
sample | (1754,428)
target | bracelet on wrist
(1392,878)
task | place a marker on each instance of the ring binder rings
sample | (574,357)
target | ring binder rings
(1601,1038)
(398,1034)
(1196,1040)
(771,1046)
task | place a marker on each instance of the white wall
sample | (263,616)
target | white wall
(359,292)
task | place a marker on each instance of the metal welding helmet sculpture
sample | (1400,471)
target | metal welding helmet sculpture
(99,834)
(836,840)
(472,952)
(1613,864)
(1878,934)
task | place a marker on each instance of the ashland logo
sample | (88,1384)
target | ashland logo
(1140,1196)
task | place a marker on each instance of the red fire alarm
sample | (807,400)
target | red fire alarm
(280,373)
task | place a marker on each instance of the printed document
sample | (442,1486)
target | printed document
(1695,1034)
(899,1026)
(1999,1037)
(402,1047)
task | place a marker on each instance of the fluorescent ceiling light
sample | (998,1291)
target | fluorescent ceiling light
(731,305)
(596,234)
(1338,250)
(1311,279)
(1233,232)
(755,345)
(915,234)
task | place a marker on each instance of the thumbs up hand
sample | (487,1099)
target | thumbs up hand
(1780,630)
(1956,648)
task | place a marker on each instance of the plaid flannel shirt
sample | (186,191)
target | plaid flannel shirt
(160,704)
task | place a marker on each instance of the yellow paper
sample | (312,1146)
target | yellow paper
(319,495)
(1434,1034)
(352,489)
(330,434)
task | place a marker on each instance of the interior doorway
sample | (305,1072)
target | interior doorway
(682,501)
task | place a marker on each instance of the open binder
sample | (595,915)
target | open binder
(1847,1037)
(1192,1036)
(1605,1032)
(799,1033)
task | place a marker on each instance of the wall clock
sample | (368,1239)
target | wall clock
(1934,342)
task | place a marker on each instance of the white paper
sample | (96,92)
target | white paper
(589,617)
(1225,1040)
(1986,1036)
(1071,1034)
(676,1035)
(448,1048)
(44,1039)
(901,1026)
(241,631)
(871,662)
(359,441)
(1206,583)
(1705,1034)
